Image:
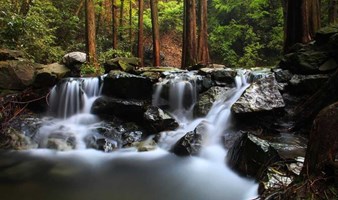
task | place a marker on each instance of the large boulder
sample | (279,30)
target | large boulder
(159,120)
(262,95)
(207,99)
(190,143)
(132,110)
(251,155)
(307,84)
(221,76)
(17,75)
(324,34)
(6,54)
(74,58)
(128,86)
(48,75)
(121,63)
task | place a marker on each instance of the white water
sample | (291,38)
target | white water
(156,175)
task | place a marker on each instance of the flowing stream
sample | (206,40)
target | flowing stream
(122,175)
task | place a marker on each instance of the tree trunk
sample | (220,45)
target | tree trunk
(203,50)
(156,32)
(77,12)
(302,22)
(189,51)
(130,25)
(90,33)
(140,33)
(114,26)
(121,20)
(333,12)
(25,7)
(323,144)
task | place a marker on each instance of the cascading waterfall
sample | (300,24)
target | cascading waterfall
(89,174)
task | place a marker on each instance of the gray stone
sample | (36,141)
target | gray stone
(282,76)
(73,58)
(262,95)
(159,120)
(48,75)
(17,75)
(121,63)
(306,84)
(329,65)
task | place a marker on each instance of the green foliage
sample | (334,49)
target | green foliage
(90,70)
(246,33)
(113,53)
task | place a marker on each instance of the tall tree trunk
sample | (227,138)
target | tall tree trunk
(333,12)
(302,22)
(121,19)
(90,33)
(114,26)
(140,32)
(77,12)
(99,19)
(156,32)
(189,51)
(203,50)
(130,25)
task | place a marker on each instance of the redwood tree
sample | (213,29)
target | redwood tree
(114,26)
(203,50)
(156,32)
(90,33)
(140,32)
(189,51)
(333,11)
(302,21)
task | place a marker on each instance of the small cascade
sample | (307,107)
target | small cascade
(179,93)
(73,95)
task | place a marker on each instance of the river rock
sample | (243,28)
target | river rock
(262,95)
(207,99)
(7,54)
(282,76)
(307,84)
(159,120)
(329,65)
(74,58)
(102,144)
(121,63)
(324,34)
(17,75)
(61,141)
(132,110)
(250,155)
(221,76)
(128,86)
(48,75)
(190,143)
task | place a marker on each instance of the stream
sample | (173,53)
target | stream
(125,174)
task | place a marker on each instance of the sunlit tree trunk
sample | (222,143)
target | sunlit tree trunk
(333,12)
(140,32)
(156,32)
(90,33)
(189,51)
(130,25)
(114,26)
(302,21)
(203,50)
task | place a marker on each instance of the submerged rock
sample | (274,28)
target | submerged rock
(159,120)
(128,86)
(251,155)
(190,143)
(262,95)
(17,75)
(61,141)
(207,99)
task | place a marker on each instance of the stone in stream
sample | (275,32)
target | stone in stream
(48,75)
(60,141)
(306,84)
(262,95)
(191,143)
(159,120)
(221,76)
(128,86)
(251,155)
(207,99)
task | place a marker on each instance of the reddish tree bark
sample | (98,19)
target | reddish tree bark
(140,32)
(189,51)
(90,33)
(114,26)
(333,12)
(203,50)
(156,32)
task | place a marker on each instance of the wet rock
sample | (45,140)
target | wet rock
(159,120)
(204,83)
(129,138)
(121,63)
(282,76)
(250,155)
(221,76)
(207,99)
(262,95)
(147,145)
(190,143)
(13,139)
(17,75)
(61,141)
(306,84)
(48,75)
(329,65)
(132,110)
(128,86)
(104,145)
(7,54)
